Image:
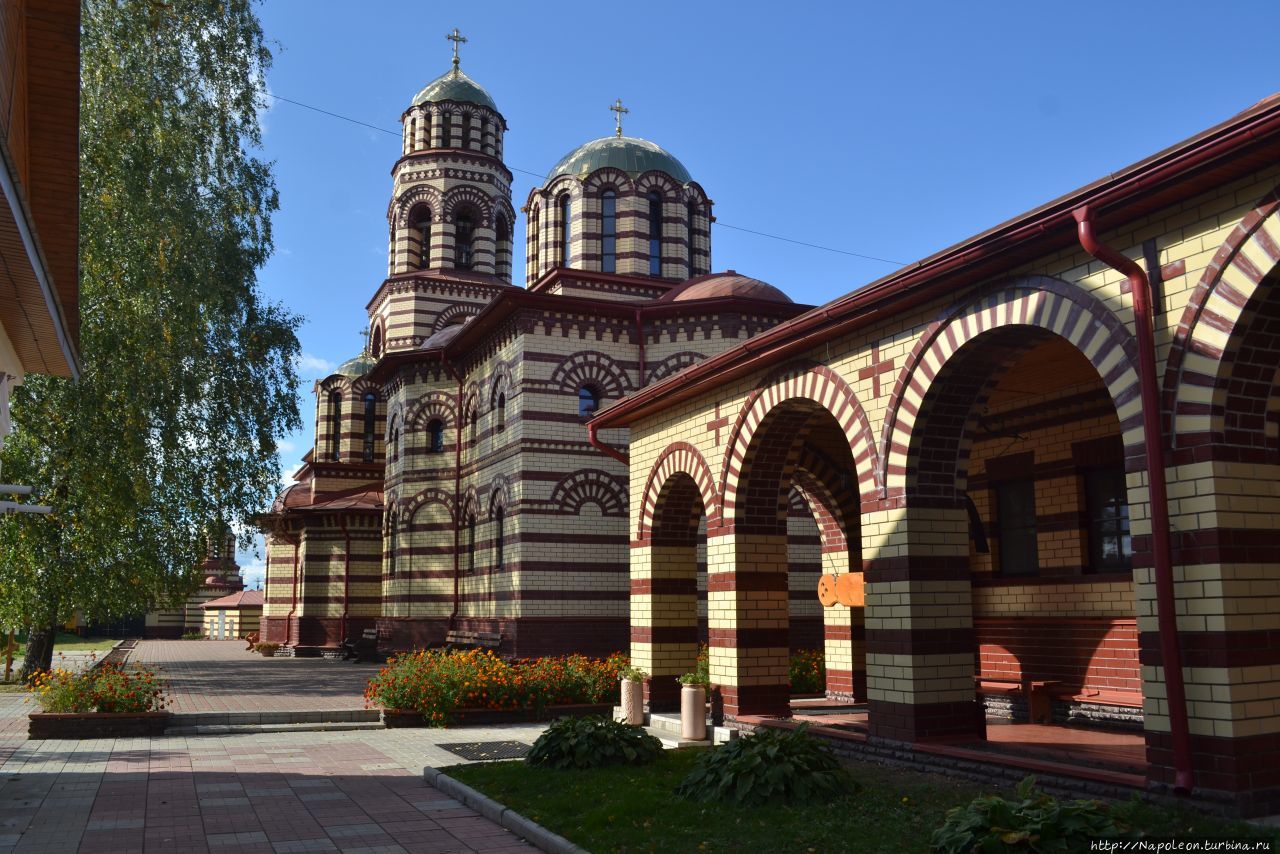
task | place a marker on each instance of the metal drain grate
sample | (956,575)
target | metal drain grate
(483,751)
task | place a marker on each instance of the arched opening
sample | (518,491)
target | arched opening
(609,232)
(500,412)
(1017,486)
(502,231)
(375,343)
(797,518)
(335,425)
(565,230)
(370,424)
(464,229)
(446,129)
(655,233)
(588,401)
(499,537)
(435,436)
(420,239)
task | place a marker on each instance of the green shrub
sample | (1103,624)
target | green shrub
(772,765)
(808,672)
(1033,822)
(107,688)
(593,742)
(701,673)
(195,634)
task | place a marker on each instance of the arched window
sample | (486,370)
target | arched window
(391,547)
(471,543)
(533,242)
(693,213)
(588,401)
(446,130)
(375,346)
(435,436)
(426,128)
(335,426)
(501,414)
(655,234)
(472,418)
(609,232)
(463,233)
(370,417)
(566,244)
(499,518)
(422,231)
(503,233)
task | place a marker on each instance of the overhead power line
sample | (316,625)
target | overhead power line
(542,176)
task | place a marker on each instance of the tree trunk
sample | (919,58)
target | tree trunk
(39,654)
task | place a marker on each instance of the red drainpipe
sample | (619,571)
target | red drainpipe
(293,594)
(600,446)
(1153,439)
(457,495)
(346,580)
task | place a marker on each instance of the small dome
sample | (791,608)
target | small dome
(627,153)
(730,283)
(454,85)
(440,339)
(355,367)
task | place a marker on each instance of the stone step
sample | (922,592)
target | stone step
(322,716)
(235,729)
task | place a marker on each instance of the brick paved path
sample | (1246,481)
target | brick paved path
(220,676)
(278,792)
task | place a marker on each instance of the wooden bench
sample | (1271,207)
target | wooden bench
(363,648)
(1101,696)
(1040,694)
(456,639)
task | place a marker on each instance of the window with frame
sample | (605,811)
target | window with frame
(370,422)
(566,239)
(588,401)
(1107,505)
(501,413)
(471,543)
(435,436)
(1016,511)
(609,232)
(335,426)
(499,518)
(422,229)
(655,234)
(464,228)
(693,214)
(391,548)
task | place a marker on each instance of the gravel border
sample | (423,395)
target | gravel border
(533,833)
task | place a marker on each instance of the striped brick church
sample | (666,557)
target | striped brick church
(453,483)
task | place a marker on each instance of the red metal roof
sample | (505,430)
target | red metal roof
(242,599)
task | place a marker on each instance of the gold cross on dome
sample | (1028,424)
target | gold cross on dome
(619,110)
(458,39)
(364,336)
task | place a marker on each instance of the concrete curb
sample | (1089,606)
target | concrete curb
(531,832)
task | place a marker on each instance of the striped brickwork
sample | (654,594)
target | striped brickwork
(918,400)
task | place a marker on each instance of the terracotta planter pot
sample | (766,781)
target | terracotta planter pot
(693,713)
(398,718)
(96,724)
(632,702)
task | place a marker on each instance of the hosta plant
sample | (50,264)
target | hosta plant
(1033,821)
(593,742)
(772,765)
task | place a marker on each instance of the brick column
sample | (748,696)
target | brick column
(747,620)
(664,619)
(919,625)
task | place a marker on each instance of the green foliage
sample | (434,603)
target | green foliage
(701,673)
(593,742)
(195,634)
(437,682)
(187,374)
(108,688)
(632,674)
(1032,822)
(808,672)
(771,765)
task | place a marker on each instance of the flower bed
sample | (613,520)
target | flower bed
(808,672)
(106,701)
(438,687)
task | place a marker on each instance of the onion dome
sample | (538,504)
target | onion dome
(628,153)
(439,339)
(354,367)
(454,85)
(727,285)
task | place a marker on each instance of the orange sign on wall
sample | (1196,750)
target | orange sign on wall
(843,589)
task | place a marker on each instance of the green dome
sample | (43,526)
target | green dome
(355,367)
(627,153)
(453,85)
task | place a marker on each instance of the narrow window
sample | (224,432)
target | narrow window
(501,414)
(471,425)
(422,230)
(1016,504)
(533,242)
(435,437)
(655,234)
(1107,502)
(503,232)
(588,401)
(609,232)
(391,548)
(501,535)
(395,443)
(464,231)
(335,426)
(375,348)
(370,416)
(566,244)
(426,133)
(446,130)
(471,543)
(693,213)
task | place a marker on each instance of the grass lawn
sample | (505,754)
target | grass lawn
(67,642)
(634,809)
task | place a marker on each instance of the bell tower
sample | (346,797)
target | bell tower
(451,201)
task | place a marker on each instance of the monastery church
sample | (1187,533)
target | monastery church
(1032,477)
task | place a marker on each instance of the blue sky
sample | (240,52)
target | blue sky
(885,130)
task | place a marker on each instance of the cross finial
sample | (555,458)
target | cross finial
(458,39)
(619,110)
(364,336)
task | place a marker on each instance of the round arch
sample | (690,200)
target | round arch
(677,458)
